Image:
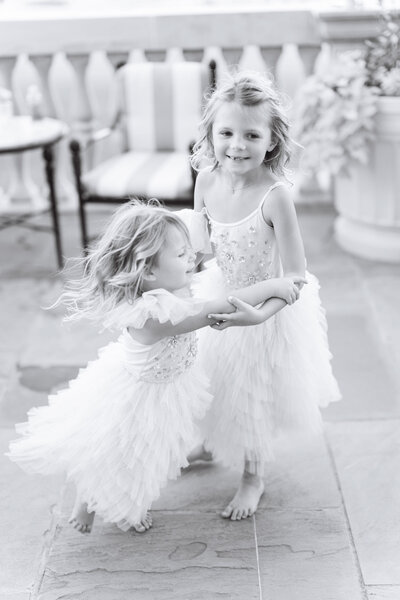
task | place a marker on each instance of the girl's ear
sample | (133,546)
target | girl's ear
(271,146)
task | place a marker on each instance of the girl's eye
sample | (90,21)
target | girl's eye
(253,136)
(225,133)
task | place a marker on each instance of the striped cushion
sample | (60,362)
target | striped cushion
(163,175)
(161,103)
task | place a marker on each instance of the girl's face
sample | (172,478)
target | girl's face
(174,264)
(241,137)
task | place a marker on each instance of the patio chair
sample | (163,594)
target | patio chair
(160,110)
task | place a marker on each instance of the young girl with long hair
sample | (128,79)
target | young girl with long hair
(126,424)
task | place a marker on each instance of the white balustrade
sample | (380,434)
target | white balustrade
(73,62)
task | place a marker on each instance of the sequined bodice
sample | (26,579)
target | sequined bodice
(160,362)
(246,250)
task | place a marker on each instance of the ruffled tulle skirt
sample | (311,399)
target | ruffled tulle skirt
(267,380)
(118,439)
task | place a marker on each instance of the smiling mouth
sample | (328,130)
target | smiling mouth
(235,158)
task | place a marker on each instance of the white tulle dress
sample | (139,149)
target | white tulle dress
(125,425)
(268,379)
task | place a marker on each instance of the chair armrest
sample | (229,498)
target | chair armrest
(85,140)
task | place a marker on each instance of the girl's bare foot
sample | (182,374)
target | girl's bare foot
(144,524)
(81,519)
(245,502)
(199,453)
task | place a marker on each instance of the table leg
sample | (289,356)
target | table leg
(49,167)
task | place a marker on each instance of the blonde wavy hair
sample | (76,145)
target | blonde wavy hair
(115,267)
(247,88)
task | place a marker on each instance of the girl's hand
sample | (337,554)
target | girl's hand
(288,288)
(244,315)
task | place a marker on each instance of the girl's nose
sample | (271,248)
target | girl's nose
(238,143)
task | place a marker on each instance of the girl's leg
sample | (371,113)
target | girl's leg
(81,519)
(245,501)
(199,453)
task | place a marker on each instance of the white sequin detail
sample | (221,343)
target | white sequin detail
(171,357)
(243,253)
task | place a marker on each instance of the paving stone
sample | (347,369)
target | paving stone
(301,477)
(52,342)
(383,592)
(26,507)
(365,379)
(45,379)
(300,522)
(17,400)
(20,301)
(186,556)
(305,555)
(383,291)
(367,456)
(344,294)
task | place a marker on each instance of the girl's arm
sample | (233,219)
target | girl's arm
(245,314)
(199,189)
(280,211)
(153,330)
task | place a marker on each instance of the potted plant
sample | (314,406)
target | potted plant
(348,121)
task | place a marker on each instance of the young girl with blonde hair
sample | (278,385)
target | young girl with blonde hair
(269,379)
(126,424)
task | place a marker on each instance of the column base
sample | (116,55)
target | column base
(368,241)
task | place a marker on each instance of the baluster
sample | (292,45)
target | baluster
(80,114)
(323,60)
(215,53)
(81,111)
(155,55)
(232,55)
(193,55)
(101,89)
(137,55)
(271,56)
(62,83)
(7,163)
(25,188)
(252,59)
(117,59)
(312,189)
(309,56)
(42,65)
(290,71)
(102,92)
(174,55)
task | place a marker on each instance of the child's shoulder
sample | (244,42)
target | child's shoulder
(278,201)
(204,181)
(134,313)
(206,176)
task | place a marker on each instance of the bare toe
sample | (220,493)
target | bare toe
(234,515)
(226,513)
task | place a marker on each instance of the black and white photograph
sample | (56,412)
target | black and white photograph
(200,300)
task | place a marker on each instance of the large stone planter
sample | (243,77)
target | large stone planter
(368,199)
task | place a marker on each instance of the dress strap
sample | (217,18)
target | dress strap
(269,190)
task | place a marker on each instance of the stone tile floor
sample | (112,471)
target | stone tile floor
(328,527)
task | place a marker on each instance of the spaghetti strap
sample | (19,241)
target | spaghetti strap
(269,190)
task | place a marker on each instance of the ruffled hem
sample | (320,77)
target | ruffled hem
(267,380)
(157,304)
(119,443)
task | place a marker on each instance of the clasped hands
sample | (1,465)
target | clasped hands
(287,289)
